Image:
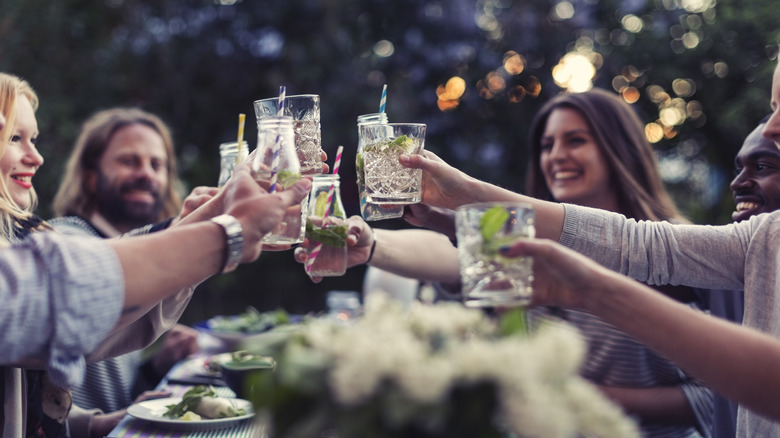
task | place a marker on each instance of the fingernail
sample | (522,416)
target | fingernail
(403,158)
(504,248)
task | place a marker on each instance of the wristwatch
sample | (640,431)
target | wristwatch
(234,241)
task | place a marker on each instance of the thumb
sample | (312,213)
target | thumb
(295,194)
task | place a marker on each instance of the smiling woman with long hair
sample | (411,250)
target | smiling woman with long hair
(589,149)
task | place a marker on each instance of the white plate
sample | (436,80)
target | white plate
(153,410)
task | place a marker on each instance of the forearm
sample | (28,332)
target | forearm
(147,262)
(735,361)
(658,405)
(420,254)
(548,216)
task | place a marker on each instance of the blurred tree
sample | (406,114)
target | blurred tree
(476,71)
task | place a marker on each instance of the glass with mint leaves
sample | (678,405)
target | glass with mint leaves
(387,182)
(369,210)
(488,278)
(326,228)
(276,168)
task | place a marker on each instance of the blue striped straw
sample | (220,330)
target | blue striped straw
(280,107)
(383,100)
(278,143)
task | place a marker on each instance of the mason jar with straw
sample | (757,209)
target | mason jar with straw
(276,167)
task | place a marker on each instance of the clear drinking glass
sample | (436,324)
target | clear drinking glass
(489,279)
(228,159)
(305,112)
(326,228)
(369,210)
(276,167)
(387,182)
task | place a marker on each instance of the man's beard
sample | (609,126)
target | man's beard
(121,213)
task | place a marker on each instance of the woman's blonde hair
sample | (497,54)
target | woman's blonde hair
(11,216)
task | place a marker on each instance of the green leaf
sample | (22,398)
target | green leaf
(491,222)
(287,179)
(513,322)
(332,236)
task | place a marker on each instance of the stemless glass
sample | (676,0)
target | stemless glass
(387,181)
(326,228)
(489,279)
(276,168)
(305,112)
(229,158)
(369,210)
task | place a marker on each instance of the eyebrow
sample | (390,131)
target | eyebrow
(572,132)
(757,155)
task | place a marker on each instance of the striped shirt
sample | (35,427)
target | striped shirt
(616,359)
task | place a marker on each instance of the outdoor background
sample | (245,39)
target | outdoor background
(476,71)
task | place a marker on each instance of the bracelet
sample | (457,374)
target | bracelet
(373,247)
(234,241)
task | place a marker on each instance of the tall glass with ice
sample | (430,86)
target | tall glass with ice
(276,168)
(369,210)
(305,112)
(387,182)
(489,279)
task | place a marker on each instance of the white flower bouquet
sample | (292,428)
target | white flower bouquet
(430,371)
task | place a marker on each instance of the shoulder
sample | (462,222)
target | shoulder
(74,226)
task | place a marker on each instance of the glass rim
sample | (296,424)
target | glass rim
(405,124)
(293,96)
(486,205)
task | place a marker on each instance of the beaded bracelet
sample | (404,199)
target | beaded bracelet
(373,247)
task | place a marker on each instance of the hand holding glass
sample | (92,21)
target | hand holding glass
(488,278)
(387,182)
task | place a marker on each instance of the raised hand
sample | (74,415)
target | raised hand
(258,211)
(442,185)
(360,238)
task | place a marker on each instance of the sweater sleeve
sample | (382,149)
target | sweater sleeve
(661,253)
(61,296)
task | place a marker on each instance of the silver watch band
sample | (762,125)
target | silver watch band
(234,241)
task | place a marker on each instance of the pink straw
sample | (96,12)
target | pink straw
(316,251)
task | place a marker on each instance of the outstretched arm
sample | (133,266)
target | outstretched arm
(736,361)
(447,187)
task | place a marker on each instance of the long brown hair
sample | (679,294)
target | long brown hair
(620,135)
(74,197)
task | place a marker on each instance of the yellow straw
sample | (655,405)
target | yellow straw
(241,120)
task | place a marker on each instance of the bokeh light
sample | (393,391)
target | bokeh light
(514,64)
(574,73)
(450,93)
(632,23)
(384,49)
(563,11)
(654,132)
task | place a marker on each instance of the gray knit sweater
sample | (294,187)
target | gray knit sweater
(740,256)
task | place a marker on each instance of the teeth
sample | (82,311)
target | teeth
(22,178)
(743,206)
(566,174)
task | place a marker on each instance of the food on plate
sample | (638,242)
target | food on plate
(203,401)
(251,321)
(190,416)
(238,359)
